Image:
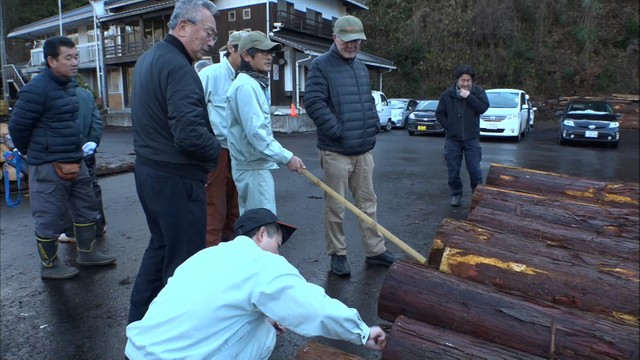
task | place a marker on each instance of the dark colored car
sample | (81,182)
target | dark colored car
(423,119)
(589,121)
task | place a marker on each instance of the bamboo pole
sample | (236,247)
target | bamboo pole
(401,244)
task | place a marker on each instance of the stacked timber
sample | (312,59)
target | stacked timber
(316,351)
(545,266)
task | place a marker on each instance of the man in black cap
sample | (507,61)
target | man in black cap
(237,316)
(459,113)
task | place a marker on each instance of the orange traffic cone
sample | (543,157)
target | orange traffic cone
(293,110)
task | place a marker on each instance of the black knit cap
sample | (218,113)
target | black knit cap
(464,69)
(255,218)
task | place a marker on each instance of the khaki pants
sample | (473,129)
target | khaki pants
(342,172)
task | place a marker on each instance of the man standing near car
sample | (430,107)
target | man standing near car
(338,99)
(459,113)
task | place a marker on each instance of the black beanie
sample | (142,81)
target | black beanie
(464,69)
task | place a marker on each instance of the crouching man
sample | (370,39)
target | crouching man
(238,316)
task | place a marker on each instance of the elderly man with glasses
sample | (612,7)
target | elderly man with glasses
(338,99)
(175,147)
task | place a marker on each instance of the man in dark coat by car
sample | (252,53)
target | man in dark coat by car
(459,113)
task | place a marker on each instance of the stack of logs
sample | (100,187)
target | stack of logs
(545,267)
(5,169)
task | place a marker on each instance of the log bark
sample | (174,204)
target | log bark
(570,237)
(623,223)
(559,186)
(317,351)
(410,339)
(426,295)
(539,273)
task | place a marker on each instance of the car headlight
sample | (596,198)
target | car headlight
(511,117)
(614,124)
(568,123)
(412,116)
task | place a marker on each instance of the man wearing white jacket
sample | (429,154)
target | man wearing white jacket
(222,196)
(238,316)
(254,150)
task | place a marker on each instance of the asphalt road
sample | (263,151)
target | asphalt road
(85,317)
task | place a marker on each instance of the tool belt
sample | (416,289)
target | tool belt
(67,171)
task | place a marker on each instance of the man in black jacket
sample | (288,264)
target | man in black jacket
(459,113)
(175,147)
(338,100)
(44,127)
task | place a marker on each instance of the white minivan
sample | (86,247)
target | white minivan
(384,110)
(508,114)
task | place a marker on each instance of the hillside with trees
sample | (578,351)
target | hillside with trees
(549,48)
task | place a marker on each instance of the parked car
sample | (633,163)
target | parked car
(400,110)
(589,120)
(423,119)
(384,110)
(508,114)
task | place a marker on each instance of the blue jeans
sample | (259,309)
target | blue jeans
(454,150)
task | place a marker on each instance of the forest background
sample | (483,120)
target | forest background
(548,48)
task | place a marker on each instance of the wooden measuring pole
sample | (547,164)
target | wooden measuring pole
(394,239)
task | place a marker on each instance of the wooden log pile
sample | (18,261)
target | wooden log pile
(546,266)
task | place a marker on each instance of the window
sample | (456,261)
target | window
(232,15)
(246,14)
(73,35)
(91,34)
(113,79)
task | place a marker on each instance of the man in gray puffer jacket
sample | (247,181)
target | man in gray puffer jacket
(338,100)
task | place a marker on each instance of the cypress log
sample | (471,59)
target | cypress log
(317,351)
(442,300)
(620,194)
(529,269)
(623,223)
(570,237)
(410,339)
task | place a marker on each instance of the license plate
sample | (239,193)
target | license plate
(422,128)
(492,126)
(591,134)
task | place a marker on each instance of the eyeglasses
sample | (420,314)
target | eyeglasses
(267,52)
(211,34)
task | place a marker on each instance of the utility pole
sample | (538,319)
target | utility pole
(3,54)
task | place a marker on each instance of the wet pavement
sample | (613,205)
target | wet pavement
(85,317)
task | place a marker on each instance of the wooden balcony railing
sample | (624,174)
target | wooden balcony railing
(125,46)
(299,22)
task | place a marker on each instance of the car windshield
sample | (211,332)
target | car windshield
(503,100)
(590,107)
(398,104)
(427,105)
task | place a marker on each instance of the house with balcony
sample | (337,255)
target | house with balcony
(78,25)
(129,27)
